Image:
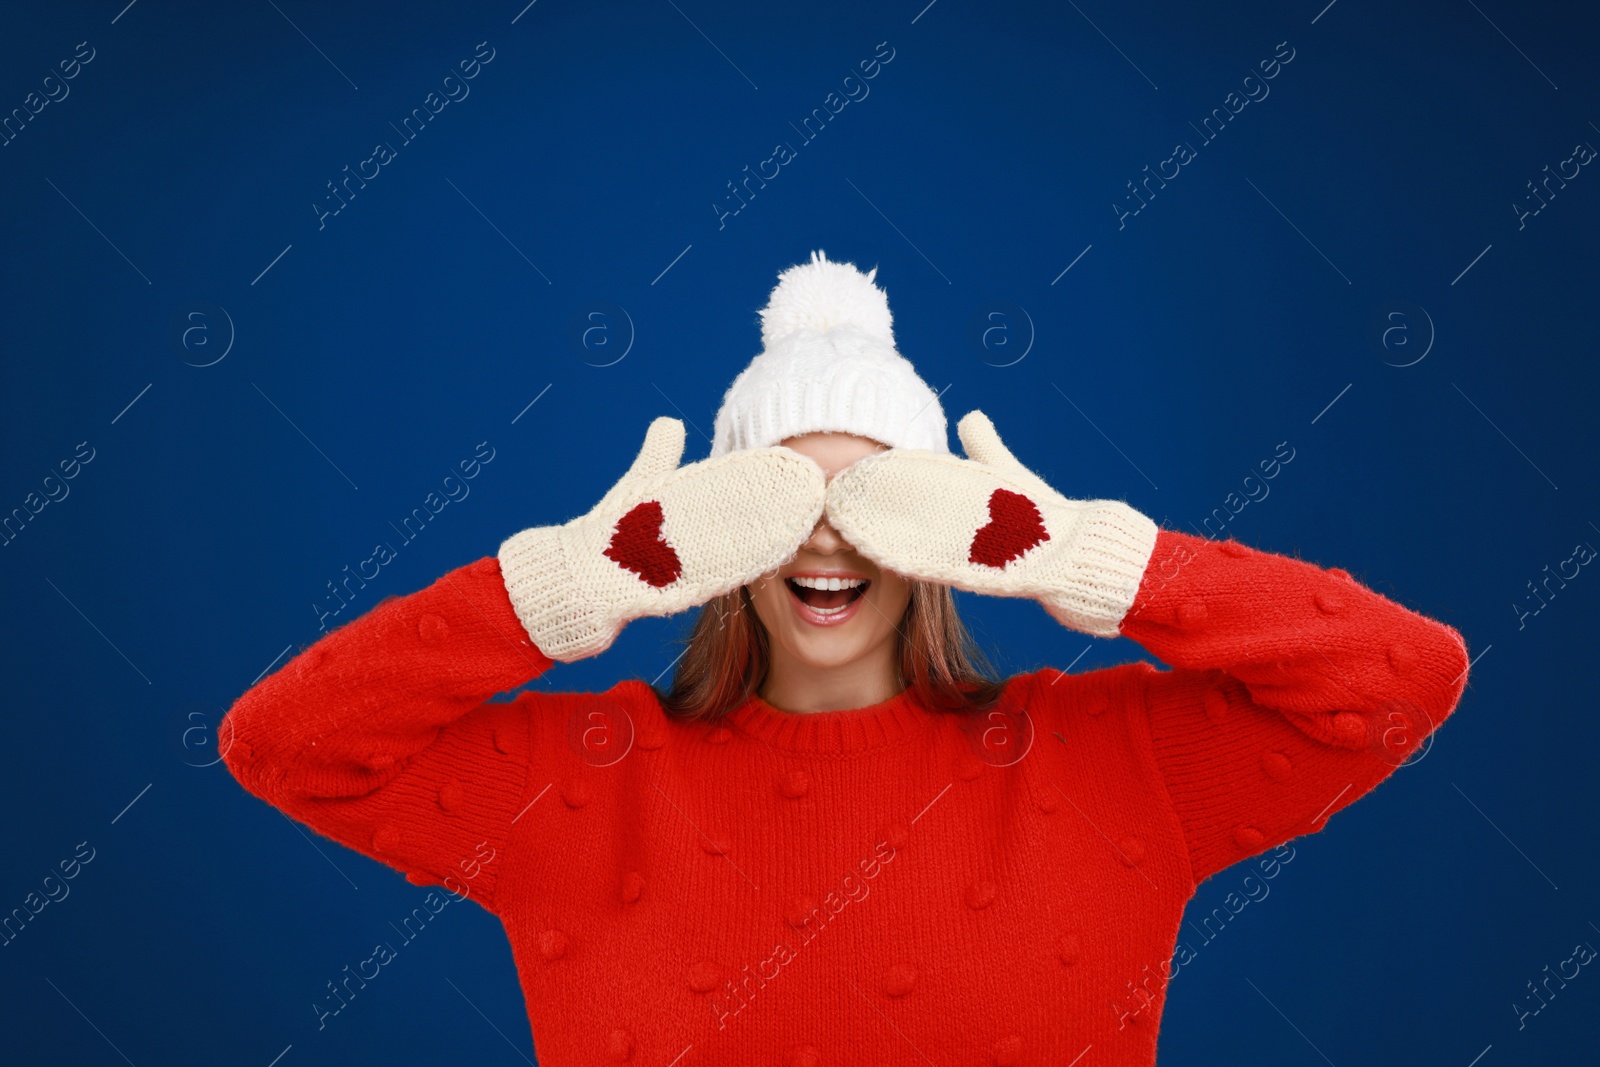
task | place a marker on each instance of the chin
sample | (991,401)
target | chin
(826,652)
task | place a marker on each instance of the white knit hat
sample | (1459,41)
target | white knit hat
(828,364)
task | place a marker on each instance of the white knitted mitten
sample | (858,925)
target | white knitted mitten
(664,539)
(989,525)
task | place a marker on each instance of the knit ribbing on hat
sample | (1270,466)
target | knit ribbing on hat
(829,364)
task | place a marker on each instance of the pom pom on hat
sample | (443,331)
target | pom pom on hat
(829,363)
(822,295)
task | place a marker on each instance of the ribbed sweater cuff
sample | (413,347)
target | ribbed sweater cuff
(1112,547)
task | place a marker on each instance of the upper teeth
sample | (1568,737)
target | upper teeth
(828,583)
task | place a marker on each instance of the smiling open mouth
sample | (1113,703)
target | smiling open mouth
(828,600)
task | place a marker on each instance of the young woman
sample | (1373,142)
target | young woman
(835,840)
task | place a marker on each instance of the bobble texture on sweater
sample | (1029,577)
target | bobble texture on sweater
(890,884)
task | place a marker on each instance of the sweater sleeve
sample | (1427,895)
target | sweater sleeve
(1294,691)
(381,735)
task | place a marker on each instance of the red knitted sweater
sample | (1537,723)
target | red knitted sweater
(886,885)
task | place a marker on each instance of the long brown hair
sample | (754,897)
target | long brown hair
(728,653)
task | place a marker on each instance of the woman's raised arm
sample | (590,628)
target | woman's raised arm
(381,735)
(1294,691)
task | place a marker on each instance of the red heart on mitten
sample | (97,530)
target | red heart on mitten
(1014,526)
(637,544)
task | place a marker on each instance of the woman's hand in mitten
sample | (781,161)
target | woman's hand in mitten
(664,539)
(987,524)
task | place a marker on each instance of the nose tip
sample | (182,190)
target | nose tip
(824,537)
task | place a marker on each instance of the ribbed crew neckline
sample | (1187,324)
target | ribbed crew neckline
(854,730)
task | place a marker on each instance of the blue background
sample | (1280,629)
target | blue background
(1347,240)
